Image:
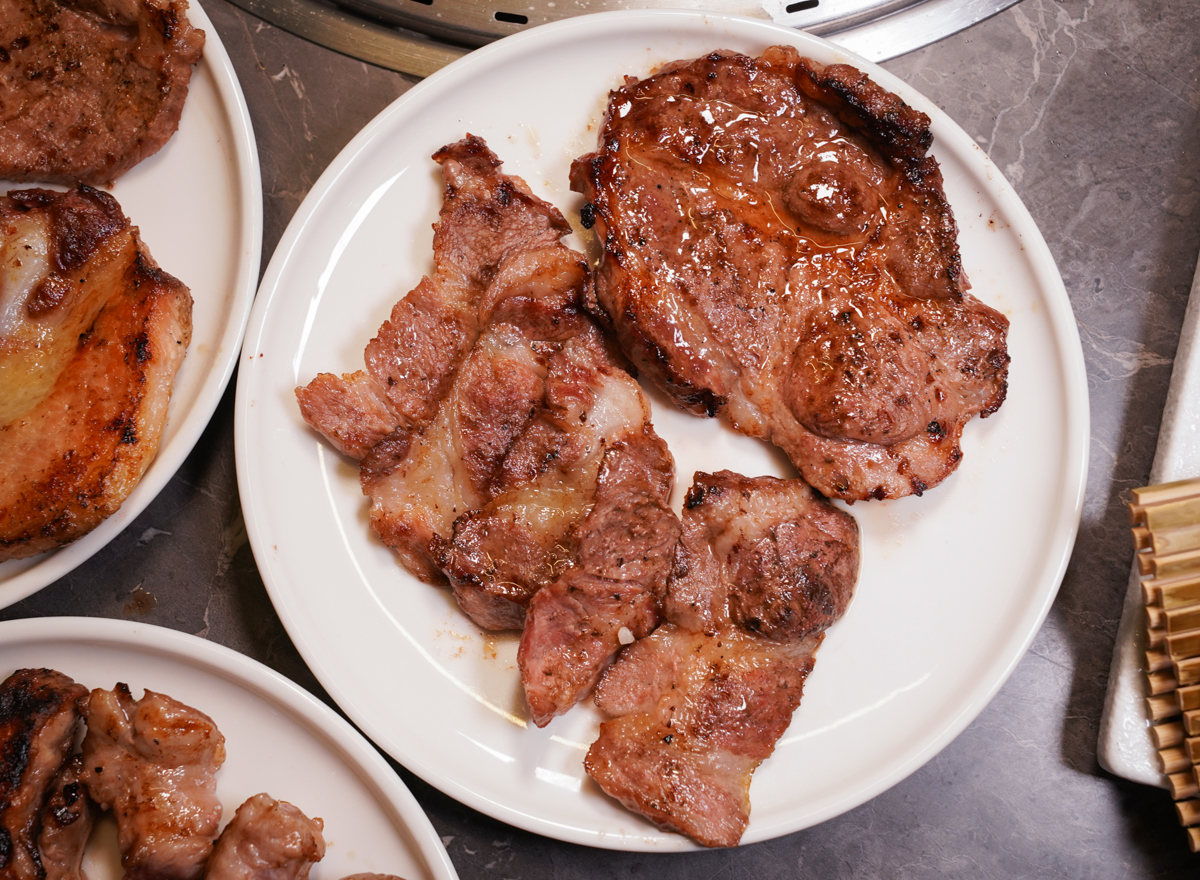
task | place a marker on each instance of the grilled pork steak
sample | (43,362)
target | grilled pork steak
(89,88)
(67,821)
(267,840)
(38,720)
(777,249)
(92,334)
(764,566)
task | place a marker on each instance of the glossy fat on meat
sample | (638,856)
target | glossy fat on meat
(89,88)
(267,840)
(778,250)
(764,566)
(92,335)
(66,821)
(153,762)
(38,721)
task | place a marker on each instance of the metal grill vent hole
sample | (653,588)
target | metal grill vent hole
(510,17)
(800,6)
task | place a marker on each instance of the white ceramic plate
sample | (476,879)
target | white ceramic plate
(278,738)
(198,205)
(953,586)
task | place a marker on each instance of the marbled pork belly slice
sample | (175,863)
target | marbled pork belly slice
(778,250)
(492,232)
(611,591)
(763,567)
(153,762)
(38,720)
(92,335)
(528,533)
(67,821)
(267,840)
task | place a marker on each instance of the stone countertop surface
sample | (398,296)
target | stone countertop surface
(1092,111)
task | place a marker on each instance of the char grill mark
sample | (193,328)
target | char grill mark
(153,762)
(89,88)
(86,373)
(778,249)
(38,720)
(763,568)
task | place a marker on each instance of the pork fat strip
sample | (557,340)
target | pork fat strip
(67,822)
(778,250)
(153,762)
(491,231)
(763,567)
(267,840)
(38,720)
(92,335)
(89,88)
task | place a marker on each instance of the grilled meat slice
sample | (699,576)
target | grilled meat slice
(66,824)
(153,762)
(38,721)
(89,88)
(763,567)
(611,589)
(778,249)
(92,334)
(267,840)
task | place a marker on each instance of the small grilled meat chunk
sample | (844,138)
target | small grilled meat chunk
(89,88)
(153,762)
(763,568)
(38,721)
(92,335)
(267,840)
(67,822)
(778,250)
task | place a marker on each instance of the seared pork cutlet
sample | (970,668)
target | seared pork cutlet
(89,88)
(763,567)
(92,334)
(38,721)
(153,762)
(67,822)
(267,840)
(778,250)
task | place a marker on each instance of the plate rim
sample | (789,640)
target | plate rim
(48,567)
(949,137)
(266,684)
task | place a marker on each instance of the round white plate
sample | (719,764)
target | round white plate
(953,586)
(198,205)
(278,738)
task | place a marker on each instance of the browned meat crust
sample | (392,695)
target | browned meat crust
(92,334)
(89,88)
(153,762)
(66,824)
(38,720)
(267,840)
(778,249)
(764,566)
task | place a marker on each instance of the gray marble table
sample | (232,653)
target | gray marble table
(1092,111)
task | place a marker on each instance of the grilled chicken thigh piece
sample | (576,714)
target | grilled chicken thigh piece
(267,840)
(38,721)
(764,566)
(778,250)
(153,762)
(92,334)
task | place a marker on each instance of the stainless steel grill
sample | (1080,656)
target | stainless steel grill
(418,37)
